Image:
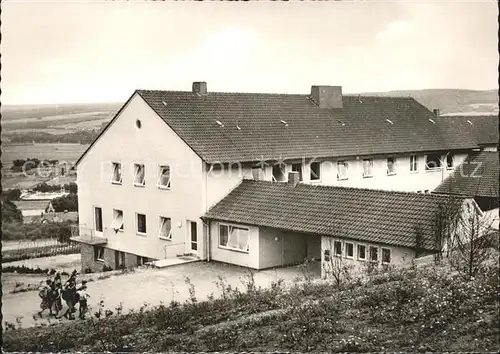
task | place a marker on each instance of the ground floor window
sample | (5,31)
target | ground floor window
(141,224)
(337,248)
(373,254)
(349,250)
(362,252)
(234,237)
(386,255)
(99,253)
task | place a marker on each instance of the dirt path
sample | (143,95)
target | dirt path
(152,286)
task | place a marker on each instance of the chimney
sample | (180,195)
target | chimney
(293,178)
(200,87)
(436,112)
(327,96)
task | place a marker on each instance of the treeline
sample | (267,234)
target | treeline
(81,137)
(31,163)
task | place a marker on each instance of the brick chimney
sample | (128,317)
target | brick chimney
(200,87)
(293,178)
(327,96)
(436,112)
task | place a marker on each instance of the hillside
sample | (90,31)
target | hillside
(451,101)
(410,310)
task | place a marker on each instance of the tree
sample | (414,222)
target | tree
(11,194)
(44,188)
(68,202)
(335,266)
(474,240)
(10,213)
(71,187)
(445,223)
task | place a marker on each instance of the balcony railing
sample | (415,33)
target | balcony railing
(80,233)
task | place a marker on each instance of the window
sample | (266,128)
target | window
(98,218)
(139,175)
(373,254)
(234,237)
(413,163)
(386,255)
(342,170)
(297,167)
(449,161)
(349,250)
(361,252)
(117,173)
(141,224)
(315,171)
(279,173)
(165,230)
(367,168)
(337,248)
(327,255)
(164,177)
(432,162)
(117,220)
(391,166)
(258,173)
(98,253)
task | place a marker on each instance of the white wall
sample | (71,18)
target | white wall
(403,180)
(400,256)
(153,144)
(248,259)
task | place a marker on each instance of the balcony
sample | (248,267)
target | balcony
(86,235)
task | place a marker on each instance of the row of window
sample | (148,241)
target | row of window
(119,257)
(164,226)
(163,180)
(432,162)
(361,252)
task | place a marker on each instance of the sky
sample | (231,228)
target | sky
(99,51)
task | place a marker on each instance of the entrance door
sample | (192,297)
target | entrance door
(193,236)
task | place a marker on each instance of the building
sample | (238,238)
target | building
(263,224)
(477,177)
(168,156)
(33,210)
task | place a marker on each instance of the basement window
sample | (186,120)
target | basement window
(279,173)
(349,250)
(117,173)
(165,229)
(117,224)
(367,168)
(315,171)
(297,167)
(361,252)
(432,162)
(139,175)
(342,170)
(164,177)
(141,224)
(98,253)
(234,238)
(386,255)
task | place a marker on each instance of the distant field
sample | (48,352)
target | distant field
(20,112)
(61,152)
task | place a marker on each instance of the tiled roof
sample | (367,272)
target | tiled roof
(253,129)
(476,177)
(483,129)
(368,215)
(32,204)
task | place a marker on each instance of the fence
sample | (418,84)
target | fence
(18,250)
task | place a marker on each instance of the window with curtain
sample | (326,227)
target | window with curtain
(234,237)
